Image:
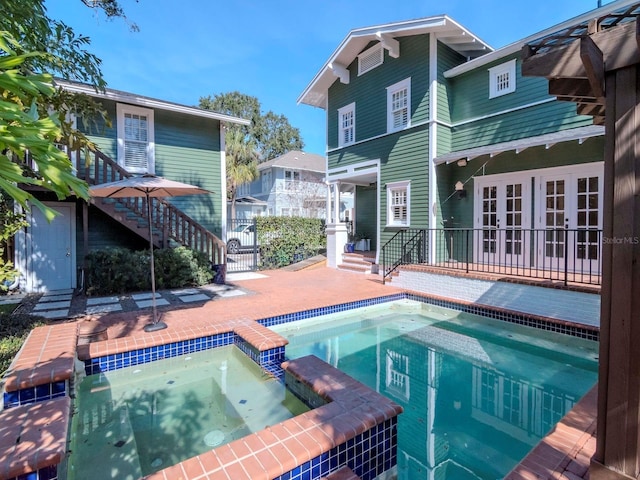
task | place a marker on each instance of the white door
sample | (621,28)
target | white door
(51,250)
(502,211)
(570,220)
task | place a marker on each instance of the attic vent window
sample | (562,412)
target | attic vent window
(370,59)
(502,79)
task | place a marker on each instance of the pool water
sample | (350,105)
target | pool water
(137,420)
(478,394)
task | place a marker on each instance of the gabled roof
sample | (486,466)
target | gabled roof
(449,32)
(298,160)
(148,102)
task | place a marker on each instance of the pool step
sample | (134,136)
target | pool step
(112,423)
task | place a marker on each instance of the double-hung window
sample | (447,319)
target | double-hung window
(398,201)
(291,179)
(136,147)
(398,105)
(347,122)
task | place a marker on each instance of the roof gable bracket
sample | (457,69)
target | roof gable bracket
(340,71)
(390,44)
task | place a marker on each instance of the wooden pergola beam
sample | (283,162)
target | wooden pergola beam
(618,45)
(571,88)
(601,72)
(593,61)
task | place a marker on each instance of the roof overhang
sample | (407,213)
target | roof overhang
(133,99)
(580,134)
(248,200)
(448,31)
(362,174)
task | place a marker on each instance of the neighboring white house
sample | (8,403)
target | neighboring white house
(292,184)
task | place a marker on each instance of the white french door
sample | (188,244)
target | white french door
(569,222)
(567,218)
(502,211)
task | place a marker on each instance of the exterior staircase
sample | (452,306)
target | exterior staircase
(169,225)
(363,262)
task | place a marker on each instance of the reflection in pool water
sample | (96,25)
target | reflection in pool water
(477,393)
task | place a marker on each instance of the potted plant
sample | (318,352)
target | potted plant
(362,242)
(350,246)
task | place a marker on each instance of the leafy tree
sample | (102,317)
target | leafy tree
(26,128)
(272,134)
(111,9)
(65,53)
(34,114)
(242,164)
(275,136)
(236,104)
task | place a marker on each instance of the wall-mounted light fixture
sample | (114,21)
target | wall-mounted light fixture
(462,162)
(462,193)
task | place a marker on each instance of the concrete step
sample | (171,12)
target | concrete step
(358,263)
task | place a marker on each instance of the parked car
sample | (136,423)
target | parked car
(243,237)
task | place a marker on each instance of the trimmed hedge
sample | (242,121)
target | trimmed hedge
(117,270)
(287,240)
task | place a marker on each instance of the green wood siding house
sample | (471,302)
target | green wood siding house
(435,130)
(146,136)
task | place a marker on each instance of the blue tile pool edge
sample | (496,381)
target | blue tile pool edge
(268,358)
(529,320)
(369,466)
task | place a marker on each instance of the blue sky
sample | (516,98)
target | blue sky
(271,49)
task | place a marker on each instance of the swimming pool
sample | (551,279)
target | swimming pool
(477,393)
(137,420)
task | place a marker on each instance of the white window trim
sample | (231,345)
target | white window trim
(343,111)
(121,110)
(404,185)
(404,84)
(507,67)
(375,50)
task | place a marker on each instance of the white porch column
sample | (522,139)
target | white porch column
(336,230)
(329,211)
(336,202)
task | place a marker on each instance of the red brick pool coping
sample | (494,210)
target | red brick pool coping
(353,408)
(33,436)
(283,292)
(47,356)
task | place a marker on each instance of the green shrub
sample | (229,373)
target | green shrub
(287,240)
(181,267)
(14,330)
(118,270)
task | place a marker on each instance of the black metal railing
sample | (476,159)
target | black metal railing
(565,255)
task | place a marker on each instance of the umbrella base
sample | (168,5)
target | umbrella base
(153,327)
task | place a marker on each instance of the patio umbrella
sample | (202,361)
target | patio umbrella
(148,186)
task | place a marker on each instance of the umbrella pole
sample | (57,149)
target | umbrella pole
(155,324)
